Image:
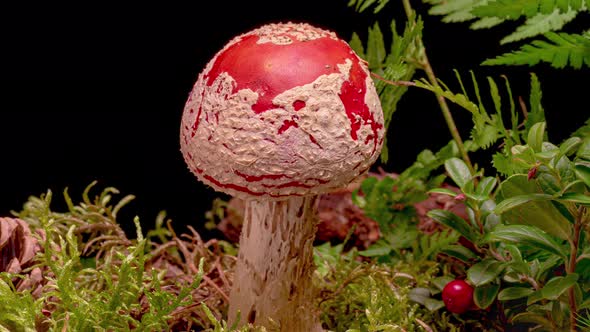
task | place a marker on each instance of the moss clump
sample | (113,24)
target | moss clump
(96,278)
(357,295)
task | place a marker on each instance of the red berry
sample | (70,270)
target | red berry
(458,296)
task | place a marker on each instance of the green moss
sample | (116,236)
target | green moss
(96,279)
(363,296)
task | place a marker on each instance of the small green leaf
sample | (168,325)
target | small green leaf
(526,235)
(516,201)
(441,282)
(357,45)
(514,252)
(536,112)
(421,295)
(583,173)
(577,198)
(570,145)
(484,296)
(529,317)
(455,222)
(558,285)
(512,293)
(458,171)
(443,191)
(584,150)
(566,170)
(519,267)
(539,213)
(380,248)
(486,186)
(548,183)
(547,155)
(375,48)
(535,136)
(484,272)
(433,304)
(459,252)
(544,267)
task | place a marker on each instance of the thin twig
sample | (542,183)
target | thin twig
(222,276)
(571,267)
(441,100)
(424,325)
(530,280)
(214,285)
(396,83)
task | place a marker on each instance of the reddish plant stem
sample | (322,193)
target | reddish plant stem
(571,267)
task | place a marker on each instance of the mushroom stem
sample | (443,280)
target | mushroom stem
(273,279)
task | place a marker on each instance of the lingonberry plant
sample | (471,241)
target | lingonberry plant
(524,236)
(445,245)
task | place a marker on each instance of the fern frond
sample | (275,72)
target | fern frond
(540,24)
(457,98)
(509,9)
(357,45)
(486,23)
(427,247)
(455,10)
(396,64)
(536,112)
(562,50)
(375,48)
(513,9)
(362,5)
(488,127)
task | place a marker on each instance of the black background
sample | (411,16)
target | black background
(95,91)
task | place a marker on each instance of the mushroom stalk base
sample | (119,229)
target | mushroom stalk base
(273,278)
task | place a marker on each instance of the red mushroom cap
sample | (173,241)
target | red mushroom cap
(286,109)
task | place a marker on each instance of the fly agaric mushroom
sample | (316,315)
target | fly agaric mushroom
(279,115)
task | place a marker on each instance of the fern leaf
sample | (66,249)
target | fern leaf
(486,23)
(503,164)
(398,65)
(455,10)
(495,94)
(485,137)
(510,9)
(562,50)
(548,6)
(540,24)
(375,48)
(357,45)
(536,112)
(380,6)
(513,9)
(362,5)
(459,99)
